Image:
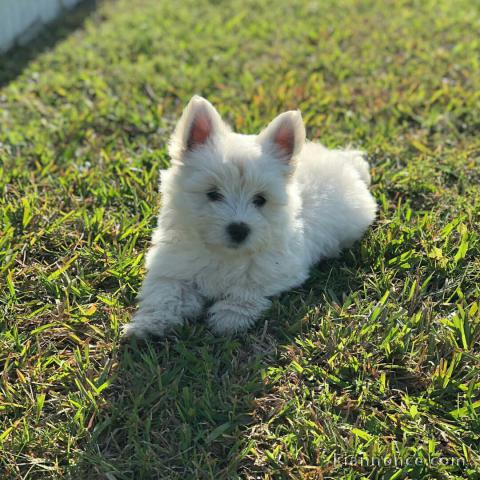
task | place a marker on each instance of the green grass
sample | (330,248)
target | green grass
(377,355)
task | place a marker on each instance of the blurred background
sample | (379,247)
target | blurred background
(21,21)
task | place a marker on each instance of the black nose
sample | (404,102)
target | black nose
(238,232)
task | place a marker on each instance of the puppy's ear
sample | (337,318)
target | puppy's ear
(198,125)
(284,136)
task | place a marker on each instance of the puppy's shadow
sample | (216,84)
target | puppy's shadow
(184,406)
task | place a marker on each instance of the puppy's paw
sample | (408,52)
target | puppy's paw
(133,329)
(227,317)
(150,323)
(227,322)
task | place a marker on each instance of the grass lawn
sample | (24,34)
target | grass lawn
(376,357)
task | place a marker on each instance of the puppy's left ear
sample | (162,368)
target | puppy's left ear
(284,136)
(198,126)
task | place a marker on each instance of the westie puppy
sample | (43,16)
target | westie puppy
(243,218)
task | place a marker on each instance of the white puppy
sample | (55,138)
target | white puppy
(243,218)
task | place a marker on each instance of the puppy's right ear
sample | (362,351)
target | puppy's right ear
(284,136)
(199,124)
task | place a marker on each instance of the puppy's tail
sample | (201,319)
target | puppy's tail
(360,164)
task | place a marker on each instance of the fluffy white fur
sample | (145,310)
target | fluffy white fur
(317,202)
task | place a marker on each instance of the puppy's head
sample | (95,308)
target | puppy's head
(233,189)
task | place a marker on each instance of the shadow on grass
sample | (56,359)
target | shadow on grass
(15,60)
(183,407)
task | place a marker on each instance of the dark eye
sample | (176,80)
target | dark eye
(259,200)
(214,196)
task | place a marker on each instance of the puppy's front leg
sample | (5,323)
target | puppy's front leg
(164,304)
(236,312)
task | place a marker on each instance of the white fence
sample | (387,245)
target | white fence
(21,20)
